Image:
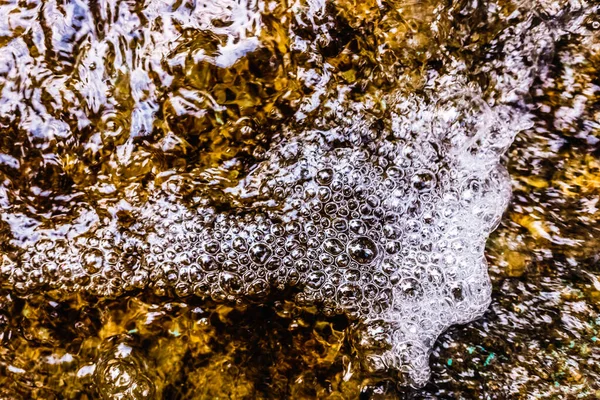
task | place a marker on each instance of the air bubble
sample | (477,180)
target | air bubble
(231,283)
(362,250)
(333,246)
(92,260)
(349,294)
(324,177)
(423,181)
(260,253)
(315,280)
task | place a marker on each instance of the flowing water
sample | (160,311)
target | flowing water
(253,199)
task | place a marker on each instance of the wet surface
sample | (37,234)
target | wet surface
(117,118)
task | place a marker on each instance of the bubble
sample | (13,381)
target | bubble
(260,253)
(331,209)
(231,283)
(120,372)
(118,376)
(380,279)
(293,228)
(302,265)
(207,263)
(273,264)
(324,194)
(212,247)
(324,177)
(92,260)
(362,250)
(423,181)
(411,289)
(239,244)
(315,280)
(333,246)
(349,294)
(259,288)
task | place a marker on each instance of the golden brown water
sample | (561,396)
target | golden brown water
(104,104)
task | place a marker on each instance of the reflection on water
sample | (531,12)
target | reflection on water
(269,199)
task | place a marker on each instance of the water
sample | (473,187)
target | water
(267,200)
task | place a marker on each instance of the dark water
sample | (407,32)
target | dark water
(235,199)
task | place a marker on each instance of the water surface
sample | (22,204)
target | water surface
(144,143)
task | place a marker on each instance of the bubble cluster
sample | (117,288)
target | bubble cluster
(387,226)
(377,207)
(120,374)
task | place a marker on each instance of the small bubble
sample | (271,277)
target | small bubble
(333,246)
(349,294)
(212,247)
(315,280)
(92,260)
(362,250)
(239,245)
(423,181)
(260,253)
(231,283)
(207,263)
(324,176)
